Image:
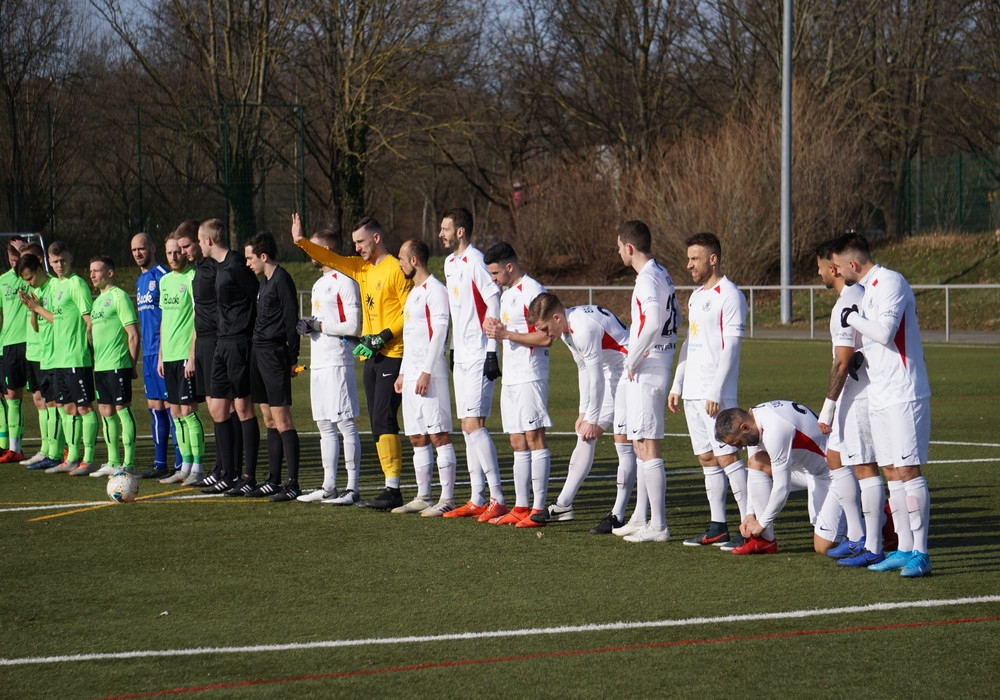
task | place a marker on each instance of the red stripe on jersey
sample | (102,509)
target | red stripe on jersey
(609,343)
(340,309)
(642,316)
(900,340)
(430,331)
(801,441)
(480,304)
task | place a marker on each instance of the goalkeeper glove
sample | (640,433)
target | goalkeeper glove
(844,313)
(372,343)
(307,325)
(491,368)
(857,361)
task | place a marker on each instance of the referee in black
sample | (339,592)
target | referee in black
(236,307)
(273,356)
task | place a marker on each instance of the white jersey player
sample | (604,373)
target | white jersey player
(652,342)
(473,297)
(844,417)
(525,393)
(598,342)
(898,397)
(423,382)
(333,389)
(786,451)
(706,379)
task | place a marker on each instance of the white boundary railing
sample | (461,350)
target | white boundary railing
(750,291)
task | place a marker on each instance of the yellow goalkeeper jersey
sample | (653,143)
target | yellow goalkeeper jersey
(383,291)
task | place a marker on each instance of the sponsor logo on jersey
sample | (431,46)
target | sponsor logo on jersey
(152,286)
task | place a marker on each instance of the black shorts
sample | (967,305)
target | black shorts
(34,378)
(231,369)
(180,389)
(15,367)
(383,402)
(75,385)
(49,385)
(204,353)
(271,375)
(114,386)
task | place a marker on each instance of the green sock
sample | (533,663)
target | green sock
(112,431)
(4,437)
(89,428)
(57,436)
(195,437)
(71,433)
(43,428)
(127,420)
(180,431)
(15,423)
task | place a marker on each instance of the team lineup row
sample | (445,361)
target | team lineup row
(210,329)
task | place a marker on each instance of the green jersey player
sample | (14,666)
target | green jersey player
(13,367)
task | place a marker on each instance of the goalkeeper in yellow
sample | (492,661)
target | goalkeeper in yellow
(383,294)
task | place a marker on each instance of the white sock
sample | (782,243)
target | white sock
(476,476)
(737,475)
(900,515)
(423,466)
(195,470)
(872,507)
(487,453)
(392,482)
(352,451)
(845,485)
(715,488)
(656,489)
(639,515)
(541,465)
(580,463)
(626,478)
(759,493)
(447,464)
(185,469)
(918,503)
(522,479)
(329,450)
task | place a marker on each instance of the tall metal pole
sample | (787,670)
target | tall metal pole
(138,160)
(786,167)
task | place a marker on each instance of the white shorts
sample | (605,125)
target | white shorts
(612,410)
(701,428)
(428,414)
(902,433)
(473,391)
(621,405)
(523,406)
(851,434)
(333,392)
(825,514)
(646,398)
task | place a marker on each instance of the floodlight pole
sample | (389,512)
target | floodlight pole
(786,167)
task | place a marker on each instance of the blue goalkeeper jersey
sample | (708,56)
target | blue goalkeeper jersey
(147,300)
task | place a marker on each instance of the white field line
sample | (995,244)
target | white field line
(498,634)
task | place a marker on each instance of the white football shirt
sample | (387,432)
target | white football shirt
(597,340)
(469,287)
(841,337)
(425,330)
(717,319)
(336,302)
(655,317)
(521,363)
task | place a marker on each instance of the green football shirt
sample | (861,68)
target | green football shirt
(15,314)
(43,347)
(177,326)
(71,301)
(111,313)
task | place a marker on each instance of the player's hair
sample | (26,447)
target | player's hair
(28,261)
(708,241)
(187,229)
(215,231)
(370,224)
(327,238)
(853,242)
(417,249)
(636,234)
(264,244)
(12,249)
(60,248)
(106,260)
(542,307)
(500,254)
(824,251)
(728,422)
(462,218)
(33,249)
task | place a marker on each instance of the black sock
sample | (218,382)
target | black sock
(275,453)
(237,448)
(290,439)
(251,443)
(224,438)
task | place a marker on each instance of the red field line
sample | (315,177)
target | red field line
(550,655)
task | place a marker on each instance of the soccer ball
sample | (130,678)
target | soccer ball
(122,487)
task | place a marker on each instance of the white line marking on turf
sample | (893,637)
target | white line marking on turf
(496,634)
